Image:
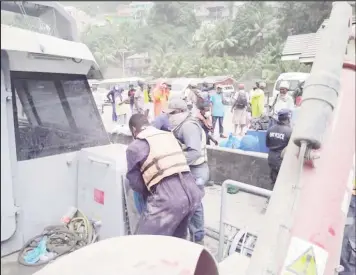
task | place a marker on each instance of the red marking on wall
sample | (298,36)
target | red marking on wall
(99,196)
(331,231)
(311,239)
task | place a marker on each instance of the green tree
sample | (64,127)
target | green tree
(222,39)
(302,17)
(254,26)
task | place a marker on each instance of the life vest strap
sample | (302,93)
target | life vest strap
(161,171)
(155,161)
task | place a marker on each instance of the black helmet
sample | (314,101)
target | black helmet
(140,83)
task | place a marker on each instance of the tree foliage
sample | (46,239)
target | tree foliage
(179,45)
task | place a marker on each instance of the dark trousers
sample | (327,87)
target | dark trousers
(221,120)
(274,170)
(114,116)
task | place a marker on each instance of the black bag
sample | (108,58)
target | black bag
(260,123)
(241,101)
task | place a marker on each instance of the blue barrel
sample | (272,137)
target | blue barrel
(261,135)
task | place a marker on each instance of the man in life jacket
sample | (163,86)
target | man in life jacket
(277,138)
(158,170)
(186,128)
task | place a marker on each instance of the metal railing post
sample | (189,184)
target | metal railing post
(244,188)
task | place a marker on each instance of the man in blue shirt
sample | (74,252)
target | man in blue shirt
(218,109)
(161,122)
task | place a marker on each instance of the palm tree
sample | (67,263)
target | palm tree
(203,38)
(223,38)
(254,25)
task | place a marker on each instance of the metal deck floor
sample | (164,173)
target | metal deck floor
(244,211)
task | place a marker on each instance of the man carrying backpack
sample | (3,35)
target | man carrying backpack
(239,109)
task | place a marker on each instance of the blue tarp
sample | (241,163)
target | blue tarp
(247,143)
(261,136)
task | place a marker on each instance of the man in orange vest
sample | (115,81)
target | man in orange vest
(158,170)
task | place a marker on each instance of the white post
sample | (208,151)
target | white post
(123,63)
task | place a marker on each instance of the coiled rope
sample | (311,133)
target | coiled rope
(62,239)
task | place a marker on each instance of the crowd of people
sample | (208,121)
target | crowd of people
(169,153)
(168,162)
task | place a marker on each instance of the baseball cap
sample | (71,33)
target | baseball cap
(284,113)
(284,84)
(176,103)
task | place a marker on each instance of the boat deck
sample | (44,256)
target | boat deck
(244,211)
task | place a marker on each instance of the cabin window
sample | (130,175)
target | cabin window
(54,114)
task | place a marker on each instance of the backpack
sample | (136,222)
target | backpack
(241,101)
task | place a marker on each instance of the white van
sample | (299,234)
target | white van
(293,78)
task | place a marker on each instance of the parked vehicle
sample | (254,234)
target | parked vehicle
(293,78)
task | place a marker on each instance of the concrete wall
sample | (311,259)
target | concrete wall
(247,167)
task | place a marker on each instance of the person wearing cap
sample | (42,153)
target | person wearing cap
(157,169)
(239,109)
(218,109)
(188,131)
(258,100)
(282,101)
(277,138)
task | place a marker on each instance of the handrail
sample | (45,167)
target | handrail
(244,188)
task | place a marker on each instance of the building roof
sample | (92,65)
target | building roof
(303,47)
(294,45)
